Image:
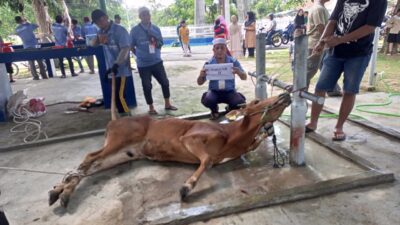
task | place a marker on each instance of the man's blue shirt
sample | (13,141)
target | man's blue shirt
(60,34)
(140,40)
(77,31)
(25,32)
(89,29)
(229,84)
(117,38)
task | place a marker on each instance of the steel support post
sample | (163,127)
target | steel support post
(372,63)
(261,88)
(299,105)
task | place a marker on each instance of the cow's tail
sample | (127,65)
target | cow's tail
(113,106)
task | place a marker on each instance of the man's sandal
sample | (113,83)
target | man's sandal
(152,112)
(338,136)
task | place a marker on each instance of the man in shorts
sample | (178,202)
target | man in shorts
(349,35)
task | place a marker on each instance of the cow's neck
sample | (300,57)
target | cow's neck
(243,131)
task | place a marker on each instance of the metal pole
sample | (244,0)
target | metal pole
(261,88)
(299,106)
(372,62)
(103,5)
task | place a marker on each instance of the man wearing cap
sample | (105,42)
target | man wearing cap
(221,91)
(146,42)
(25,31)
(115,40)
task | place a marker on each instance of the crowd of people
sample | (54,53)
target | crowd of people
(340,43)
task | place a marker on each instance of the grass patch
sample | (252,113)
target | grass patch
(387,68)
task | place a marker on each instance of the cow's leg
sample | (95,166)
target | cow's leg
(191,182)
(199,144)
(107,157)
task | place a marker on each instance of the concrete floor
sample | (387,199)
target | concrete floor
(124,195)
(132,192)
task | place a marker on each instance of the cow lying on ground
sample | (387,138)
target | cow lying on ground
(179,140)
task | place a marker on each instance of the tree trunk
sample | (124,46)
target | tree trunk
(43,20)
(242,8)
(67,18)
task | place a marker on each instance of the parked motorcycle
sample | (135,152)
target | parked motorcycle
(276,38)
(287,34)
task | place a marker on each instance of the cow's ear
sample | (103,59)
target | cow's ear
(234,114)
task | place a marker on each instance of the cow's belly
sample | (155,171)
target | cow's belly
(167,150)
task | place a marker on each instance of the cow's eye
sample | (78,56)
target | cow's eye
(256,102)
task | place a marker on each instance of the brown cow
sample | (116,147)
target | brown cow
(179,140)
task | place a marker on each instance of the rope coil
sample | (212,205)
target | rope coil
(25,124)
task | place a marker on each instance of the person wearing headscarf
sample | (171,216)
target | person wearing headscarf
(250,33)
(235,31)
(220,28)
(299,20)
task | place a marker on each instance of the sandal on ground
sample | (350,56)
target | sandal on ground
(171,107)
(338,136)
(309,130)
(152,112)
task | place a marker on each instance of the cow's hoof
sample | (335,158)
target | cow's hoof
(64,200)
(184,192)
(53,196)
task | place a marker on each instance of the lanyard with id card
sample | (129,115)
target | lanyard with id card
(152,45)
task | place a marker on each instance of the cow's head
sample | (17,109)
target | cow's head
(269,109)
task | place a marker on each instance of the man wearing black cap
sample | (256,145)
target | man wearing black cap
(115,40)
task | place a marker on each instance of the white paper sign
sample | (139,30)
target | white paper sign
(221,71)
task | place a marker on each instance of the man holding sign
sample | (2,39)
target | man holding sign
(220,70)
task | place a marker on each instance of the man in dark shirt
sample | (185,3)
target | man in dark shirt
(349,35)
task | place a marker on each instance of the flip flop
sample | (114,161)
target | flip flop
(338,136)
(171,107)
(152,112)
(309,130)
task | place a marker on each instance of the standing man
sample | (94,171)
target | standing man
(184,37)
(9,68)
(89,30)
(25,31)
(116,43)
(221,91)
(60,35)
(394,33)
(317,20)
(146,41)
(349,35)
(77,32)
